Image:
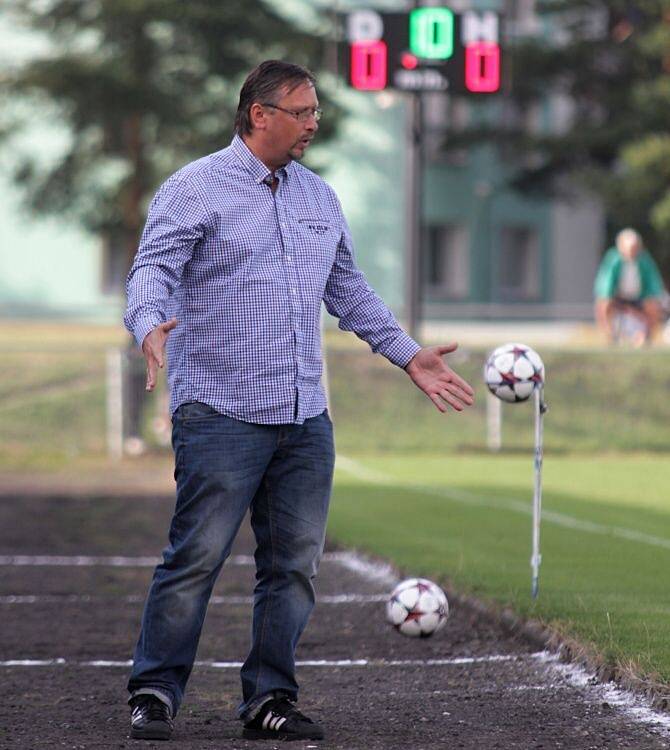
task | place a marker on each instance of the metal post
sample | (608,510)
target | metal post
(536,559)
(324,376)
(115,403)
(413,214)
(493,423)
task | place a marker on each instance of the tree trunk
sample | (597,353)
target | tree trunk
(134,189)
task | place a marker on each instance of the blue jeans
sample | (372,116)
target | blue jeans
(224,467)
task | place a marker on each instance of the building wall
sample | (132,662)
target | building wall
(527,256)
(578,237)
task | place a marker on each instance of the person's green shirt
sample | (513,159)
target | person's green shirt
(607,278)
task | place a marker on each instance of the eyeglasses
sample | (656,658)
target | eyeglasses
(301,115)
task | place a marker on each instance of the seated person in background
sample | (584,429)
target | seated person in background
(628,281)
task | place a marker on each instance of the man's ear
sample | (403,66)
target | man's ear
(257,116)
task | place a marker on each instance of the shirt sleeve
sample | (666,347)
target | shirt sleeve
(349,297)
(652,277)
(175,223)
(607,276)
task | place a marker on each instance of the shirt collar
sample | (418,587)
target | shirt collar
(252,163)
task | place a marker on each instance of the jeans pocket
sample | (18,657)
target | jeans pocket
(194,410)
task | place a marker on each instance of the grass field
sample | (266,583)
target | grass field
(466,520)
(52,401)
(419,488)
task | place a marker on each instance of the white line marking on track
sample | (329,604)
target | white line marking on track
(118,561)
(365,474)
(375,572)
(453,662)
(136,598)
(79,561)
(637,708)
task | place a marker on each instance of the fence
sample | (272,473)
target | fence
(59,403)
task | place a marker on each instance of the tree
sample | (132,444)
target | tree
(144,87)
(609,62)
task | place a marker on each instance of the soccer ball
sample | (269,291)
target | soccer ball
(417,607)
(513,371)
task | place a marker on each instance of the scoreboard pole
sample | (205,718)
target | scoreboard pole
(413,213)
(429,48)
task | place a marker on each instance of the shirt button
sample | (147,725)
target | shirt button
(293,290)
(288,258)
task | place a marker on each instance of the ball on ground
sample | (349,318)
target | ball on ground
(417,607)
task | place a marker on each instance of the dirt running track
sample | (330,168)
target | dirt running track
(88,612)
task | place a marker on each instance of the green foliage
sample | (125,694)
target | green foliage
(610,61)
(144,86)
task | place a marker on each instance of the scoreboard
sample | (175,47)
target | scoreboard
(425,49)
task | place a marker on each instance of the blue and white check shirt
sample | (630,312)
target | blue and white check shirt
(244,271)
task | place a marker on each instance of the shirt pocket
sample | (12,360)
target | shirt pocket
(316,240)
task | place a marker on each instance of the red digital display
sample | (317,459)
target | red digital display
(482,67)
(369,65)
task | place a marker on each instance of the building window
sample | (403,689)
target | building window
(447,261)
(519,264)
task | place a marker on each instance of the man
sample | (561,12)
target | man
(243,246)
(628,281)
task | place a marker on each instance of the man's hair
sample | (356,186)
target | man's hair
(267,83)
(628,236)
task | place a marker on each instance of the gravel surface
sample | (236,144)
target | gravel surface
(472,700)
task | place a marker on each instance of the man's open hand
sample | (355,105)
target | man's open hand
(437,380)
(153,348)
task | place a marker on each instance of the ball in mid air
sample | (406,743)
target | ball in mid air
(513,371)
(417,607)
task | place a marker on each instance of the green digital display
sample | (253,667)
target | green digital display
(431,33)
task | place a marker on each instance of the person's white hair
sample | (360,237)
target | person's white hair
(627,237)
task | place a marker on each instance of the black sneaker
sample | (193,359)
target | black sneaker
(279,719)
(150,718)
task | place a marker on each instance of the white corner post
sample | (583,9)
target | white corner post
(536,558)
(324,358)
(114,403)
(493,423)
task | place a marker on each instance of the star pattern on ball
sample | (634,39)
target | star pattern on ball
(513,372)
(509,378)
(415,614)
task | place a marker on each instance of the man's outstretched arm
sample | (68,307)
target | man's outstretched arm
(349,297)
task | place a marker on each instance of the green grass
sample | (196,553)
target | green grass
(436,503)
(598,401)
(460,520)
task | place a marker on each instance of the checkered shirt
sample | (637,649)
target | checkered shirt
(244,271)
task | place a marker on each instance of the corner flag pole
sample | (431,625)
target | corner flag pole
(536,559)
